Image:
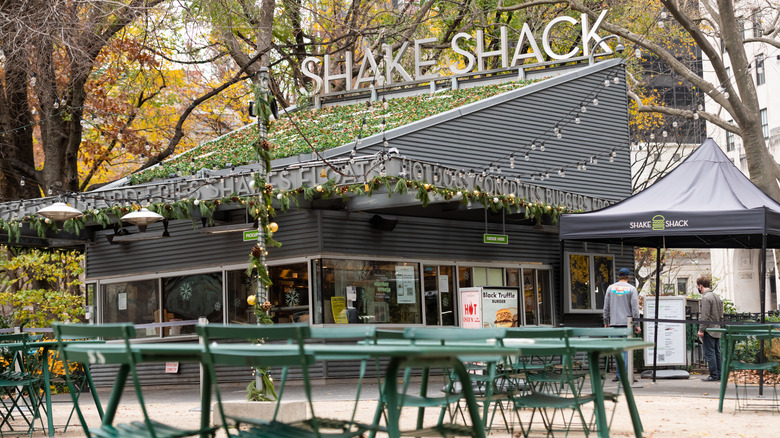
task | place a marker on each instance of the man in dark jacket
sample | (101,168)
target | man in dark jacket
(711,310)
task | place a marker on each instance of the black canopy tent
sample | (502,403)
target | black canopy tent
(705,202)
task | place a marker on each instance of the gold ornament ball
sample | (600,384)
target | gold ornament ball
(251,300)
(273,227)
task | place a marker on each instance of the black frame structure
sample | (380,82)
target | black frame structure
(706,202)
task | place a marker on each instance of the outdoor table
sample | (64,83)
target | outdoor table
(399,355)
(144,352)
(593,347)
(46,347)
(729,343)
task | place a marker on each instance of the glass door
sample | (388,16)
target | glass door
(530,297)
(439,295)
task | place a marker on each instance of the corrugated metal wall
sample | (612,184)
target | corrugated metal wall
(493,129)
(188,248)
(418,237)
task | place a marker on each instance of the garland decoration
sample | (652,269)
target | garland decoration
(274,199)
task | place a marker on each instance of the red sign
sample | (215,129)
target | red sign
(171,367)
(471,307)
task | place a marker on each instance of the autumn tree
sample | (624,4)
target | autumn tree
(98,86)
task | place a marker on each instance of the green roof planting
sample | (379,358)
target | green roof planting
(322,129)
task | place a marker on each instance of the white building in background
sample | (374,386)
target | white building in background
(740,267)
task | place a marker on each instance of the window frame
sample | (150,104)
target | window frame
(730,140)
(764,122)
(593,299)
(760,72)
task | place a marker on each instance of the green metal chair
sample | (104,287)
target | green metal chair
(295,334)
(743,345)
(550,391)
(604,332)
(123,332)
(19,384)
(484,377)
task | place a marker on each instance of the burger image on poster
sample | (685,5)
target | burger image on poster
(506,317)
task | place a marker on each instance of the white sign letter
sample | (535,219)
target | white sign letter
(393,64)
(546,39)
(419,63)
(503,50)
(347,75)
(310,74)
(454,67)
(588,35)
(368,56)
(526,33)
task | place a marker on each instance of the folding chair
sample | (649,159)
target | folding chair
(19,384)
(294,334)
(555,389)
(604,332)
(128,365)
(742,353)
(449,402)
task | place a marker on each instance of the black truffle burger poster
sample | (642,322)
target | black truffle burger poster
(499,307)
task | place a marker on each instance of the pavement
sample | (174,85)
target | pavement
(668,408)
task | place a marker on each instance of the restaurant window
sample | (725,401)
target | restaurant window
(367,292)
(465,277)
(488,276)
(537,297)
(289,293)
(589,276)
(133,301)
(189,297)
(240,286)
(439,294)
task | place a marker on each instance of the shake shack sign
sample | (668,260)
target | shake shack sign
(293,177)
(659,223)
(385,67)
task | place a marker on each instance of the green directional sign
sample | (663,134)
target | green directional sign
(250,235)
(501,239)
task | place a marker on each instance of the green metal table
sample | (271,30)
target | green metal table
(728,343)
(595,348)
(399,355)
(46,347)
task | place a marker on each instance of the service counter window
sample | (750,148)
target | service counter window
(289,293)
(133,301)
(239,287)
(189,297)
(367,292)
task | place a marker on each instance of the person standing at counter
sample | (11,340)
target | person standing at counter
(711,310)
(620,302)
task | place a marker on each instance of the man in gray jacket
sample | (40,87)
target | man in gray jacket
(620,302)
(711,310)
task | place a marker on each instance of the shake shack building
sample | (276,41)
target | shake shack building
(429,203)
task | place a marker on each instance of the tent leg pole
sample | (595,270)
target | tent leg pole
(762,281)
(657,306)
